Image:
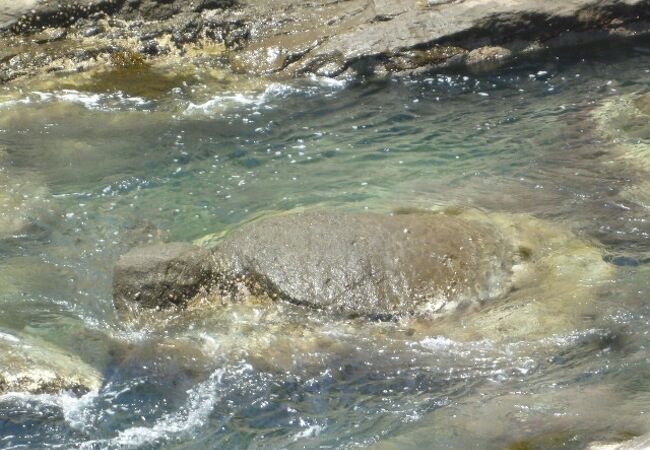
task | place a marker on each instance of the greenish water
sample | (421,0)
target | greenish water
(85,176)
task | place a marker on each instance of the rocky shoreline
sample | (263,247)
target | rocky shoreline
(326,38)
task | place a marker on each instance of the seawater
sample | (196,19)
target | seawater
(88,173)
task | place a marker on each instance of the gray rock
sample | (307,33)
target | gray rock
(11,12)
(27,15)
(369,264)
(370,36)
(186,28)
(356,264)
(327,38)
(487,55)
(160,275)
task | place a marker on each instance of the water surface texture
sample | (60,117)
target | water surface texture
(89,169)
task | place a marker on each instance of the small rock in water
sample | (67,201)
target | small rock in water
(29,364)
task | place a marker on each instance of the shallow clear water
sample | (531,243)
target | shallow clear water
(87,175)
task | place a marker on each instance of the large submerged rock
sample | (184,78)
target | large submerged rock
(374,265)
(279,287)
(623,123)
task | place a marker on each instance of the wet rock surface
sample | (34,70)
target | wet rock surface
(292,38)
(370,264)
(360,264)
(32,365)
(161,275)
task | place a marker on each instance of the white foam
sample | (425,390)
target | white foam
(8,337)
(309,431)
(330,82)
(442,343)
(10,103)
(90,101)
(438,343)
(193,415)
(255,100)
(187,419)
(279,90)
(103,102)
(75,409)
(223,101)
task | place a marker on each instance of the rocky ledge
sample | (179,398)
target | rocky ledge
(328,38)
